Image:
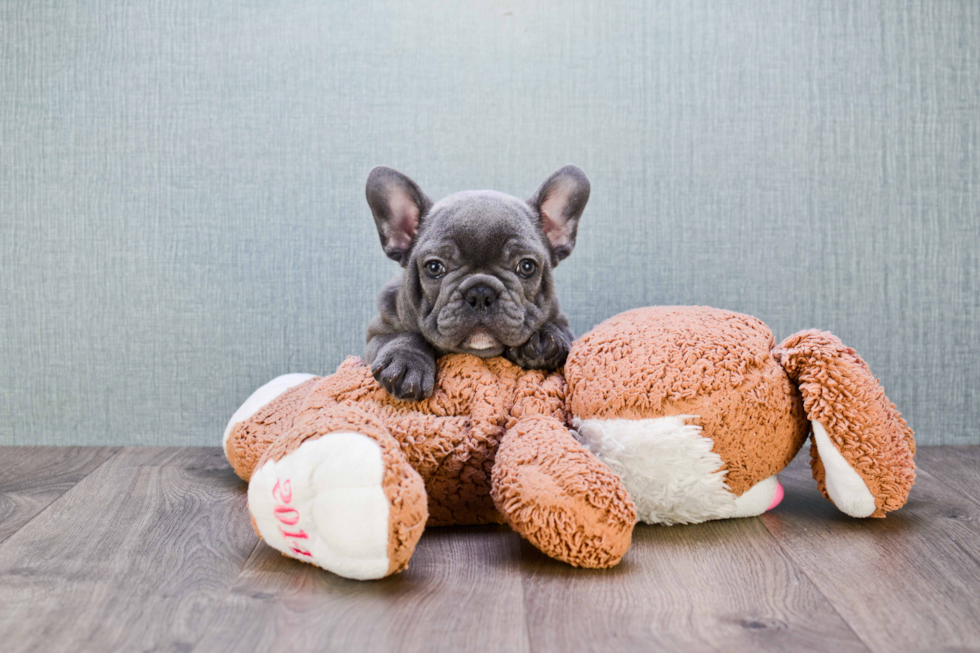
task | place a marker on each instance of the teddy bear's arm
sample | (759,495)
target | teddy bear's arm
(539,393)
(558,496)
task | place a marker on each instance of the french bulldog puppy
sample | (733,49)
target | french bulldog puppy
(476,280)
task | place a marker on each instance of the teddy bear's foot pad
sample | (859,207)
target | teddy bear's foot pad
(324,503)
(761,497)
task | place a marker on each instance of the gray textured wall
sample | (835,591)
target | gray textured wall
(181,184)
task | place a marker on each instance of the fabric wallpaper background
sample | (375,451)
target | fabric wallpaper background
(182,211)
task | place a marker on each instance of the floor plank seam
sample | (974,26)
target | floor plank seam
(813,582)
(205,630)
(968,554)
(524,603)
(941,481)
(951,488)
(61,496)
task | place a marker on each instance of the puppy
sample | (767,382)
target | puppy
(476,280)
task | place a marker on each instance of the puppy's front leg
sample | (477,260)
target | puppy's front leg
(404,364)
(547,348)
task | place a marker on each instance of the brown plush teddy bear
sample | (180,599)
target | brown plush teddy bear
(688,412)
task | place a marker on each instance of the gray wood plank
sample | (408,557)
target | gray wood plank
(723,585)
(910,581)
(135,556)
(31,478)
(955,466)
(153,550)
(462,591)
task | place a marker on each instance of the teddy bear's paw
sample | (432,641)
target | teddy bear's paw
(335,502)
(761,497)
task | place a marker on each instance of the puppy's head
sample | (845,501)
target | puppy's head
(478,263)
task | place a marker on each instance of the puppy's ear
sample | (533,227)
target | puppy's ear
(559,202)
(398,205)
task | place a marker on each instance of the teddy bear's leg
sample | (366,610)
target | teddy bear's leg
(862,452)
(671,470)
(264,416)
(337,491)
(557,495)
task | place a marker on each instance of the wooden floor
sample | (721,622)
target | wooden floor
(108,549)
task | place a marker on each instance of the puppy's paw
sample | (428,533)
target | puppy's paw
(406,373)
(547,349)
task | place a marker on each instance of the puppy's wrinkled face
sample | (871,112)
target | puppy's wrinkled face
(480,272)
(478,264)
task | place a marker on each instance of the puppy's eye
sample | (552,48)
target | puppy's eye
(527,268)
(435,269)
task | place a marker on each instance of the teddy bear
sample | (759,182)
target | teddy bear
(664,415)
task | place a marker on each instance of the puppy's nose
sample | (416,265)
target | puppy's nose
(481,298)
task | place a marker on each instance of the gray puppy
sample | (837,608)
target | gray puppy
(477,277)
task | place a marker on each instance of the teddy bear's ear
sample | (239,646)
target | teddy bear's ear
(398,205)
(559,203)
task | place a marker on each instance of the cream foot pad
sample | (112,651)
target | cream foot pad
(324,503)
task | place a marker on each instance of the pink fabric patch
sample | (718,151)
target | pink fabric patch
(777,496)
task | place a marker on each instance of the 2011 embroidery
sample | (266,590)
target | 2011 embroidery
(289,516)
